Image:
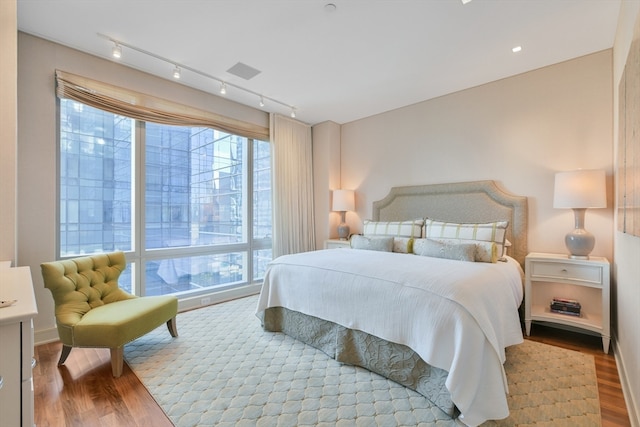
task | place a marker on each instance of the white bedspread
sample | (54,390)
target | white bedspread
(458,316)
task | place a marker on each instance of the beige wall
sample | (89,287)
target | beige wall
(626,268)
(518,131)
(37,144)
(326,178)
(8,128)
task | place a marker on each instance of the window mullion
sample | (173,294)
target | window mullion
(139,206)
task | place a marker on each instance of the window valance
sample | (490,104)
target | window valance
(149,108)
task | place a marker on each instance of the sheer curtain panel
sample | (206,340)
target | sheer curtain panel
(292,166)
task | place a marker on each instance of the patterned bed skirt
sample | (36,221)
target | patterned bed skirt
(393,361)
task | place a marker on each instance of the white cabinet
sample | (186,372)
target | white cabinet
(549,276)
(16,348)
(336,244)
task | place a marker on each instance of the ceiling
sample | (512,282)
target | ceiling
(342,63)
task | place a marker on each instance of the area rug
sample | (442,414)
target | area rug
(224,370)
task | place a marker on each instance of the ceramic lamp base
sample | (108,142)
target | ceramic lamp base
(343,231)
(579,242)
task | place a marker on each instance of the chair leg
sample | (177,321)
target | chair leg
(117,360)
(64,354)
(172,326)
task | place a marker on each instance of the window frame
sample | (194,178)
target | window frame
(139,254)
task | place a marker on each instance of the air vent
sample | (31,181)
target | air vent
(244,71)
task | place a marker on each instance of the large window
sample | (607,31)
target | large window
(190,206)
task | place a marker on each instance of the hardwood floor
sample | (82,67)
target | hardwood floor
(83,392)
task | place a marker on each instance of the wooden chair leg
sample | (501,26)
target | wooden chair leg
(117,360)
(173,327)
(64,354)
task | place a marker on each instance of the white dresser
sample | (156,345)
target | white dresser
(16,347)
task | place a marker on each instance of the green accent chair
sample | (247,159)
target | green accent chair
(92,311)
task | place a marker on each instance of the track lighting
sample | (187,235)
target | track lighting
(177,72)
(116,51)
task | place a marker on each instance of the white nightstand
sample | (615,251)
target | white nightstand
(585,280)
(336,244)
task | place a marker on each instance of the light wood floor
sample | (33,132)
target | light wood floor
(83,392)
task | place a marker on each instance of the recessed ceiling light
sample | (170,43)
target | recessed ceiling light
(465,1)
(330,7)
(516,49)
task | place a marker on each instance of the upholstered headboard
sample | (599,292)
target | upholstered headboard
(468,202)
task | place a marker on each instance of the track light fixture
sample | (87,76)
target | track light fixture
(177,71)
(116,51)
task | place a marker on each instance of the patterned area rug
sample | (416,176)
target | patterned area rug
(224,370)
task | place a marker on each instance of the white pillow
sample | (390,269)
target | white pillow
(491,232)
(373,243)
(449,249)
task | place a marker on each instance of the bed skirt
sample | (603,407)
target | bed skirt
(393,361)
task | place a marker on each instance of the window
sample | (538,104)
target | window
(191,206)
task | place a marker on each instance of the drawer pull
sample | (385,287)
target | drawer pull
(564,270)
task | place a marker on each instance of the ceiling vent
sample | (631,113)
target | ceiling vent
(244,71)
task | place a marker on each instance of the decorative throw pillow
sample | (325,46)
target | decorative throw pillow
(372,243)
(412,228)
(449,249)
(403,245)
(403,232)
(492,232)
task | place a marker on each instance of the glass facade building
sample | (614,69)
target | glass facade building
(190,206)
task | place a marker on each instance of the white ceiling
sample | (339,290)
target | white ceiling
(363,58)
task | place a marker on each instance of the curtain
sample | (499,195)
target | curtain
(148,108)
(292,171)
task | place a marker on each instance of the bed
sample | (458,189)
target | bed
(442,334)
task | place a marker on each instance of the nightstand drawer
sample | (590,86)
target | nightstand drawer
(564,271)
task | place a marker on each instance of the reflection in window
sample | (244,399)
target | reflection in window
(194,184)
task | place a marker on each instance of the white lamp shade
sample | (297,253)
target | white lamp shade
(580,189)
(343,200)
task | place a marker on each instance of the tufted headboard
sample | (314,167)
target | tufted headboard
(464,202)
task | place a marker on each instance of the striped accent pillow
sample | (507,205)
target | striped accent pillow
(495,232)
(411,228)
(403,232)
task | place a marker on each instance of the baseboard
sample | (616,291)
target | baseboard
(631,401)
(217,297)
(45,336)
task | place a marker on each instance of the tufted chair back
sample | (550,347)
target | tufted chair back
(82,284)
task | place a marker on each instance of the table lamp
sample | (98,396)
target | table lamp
(343,201)
(580,190)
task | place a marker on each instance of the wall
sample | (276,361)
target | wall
(518,131)
(326,178)
(37,144)
(626,268)
(8,128)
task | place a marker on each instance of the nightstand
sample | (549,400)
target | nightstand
(337,244)
(549,276)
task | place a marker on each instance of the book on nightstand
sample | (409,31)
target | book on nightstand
(565,306)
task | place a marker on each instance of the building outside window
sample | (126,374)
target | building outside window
(190,206)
